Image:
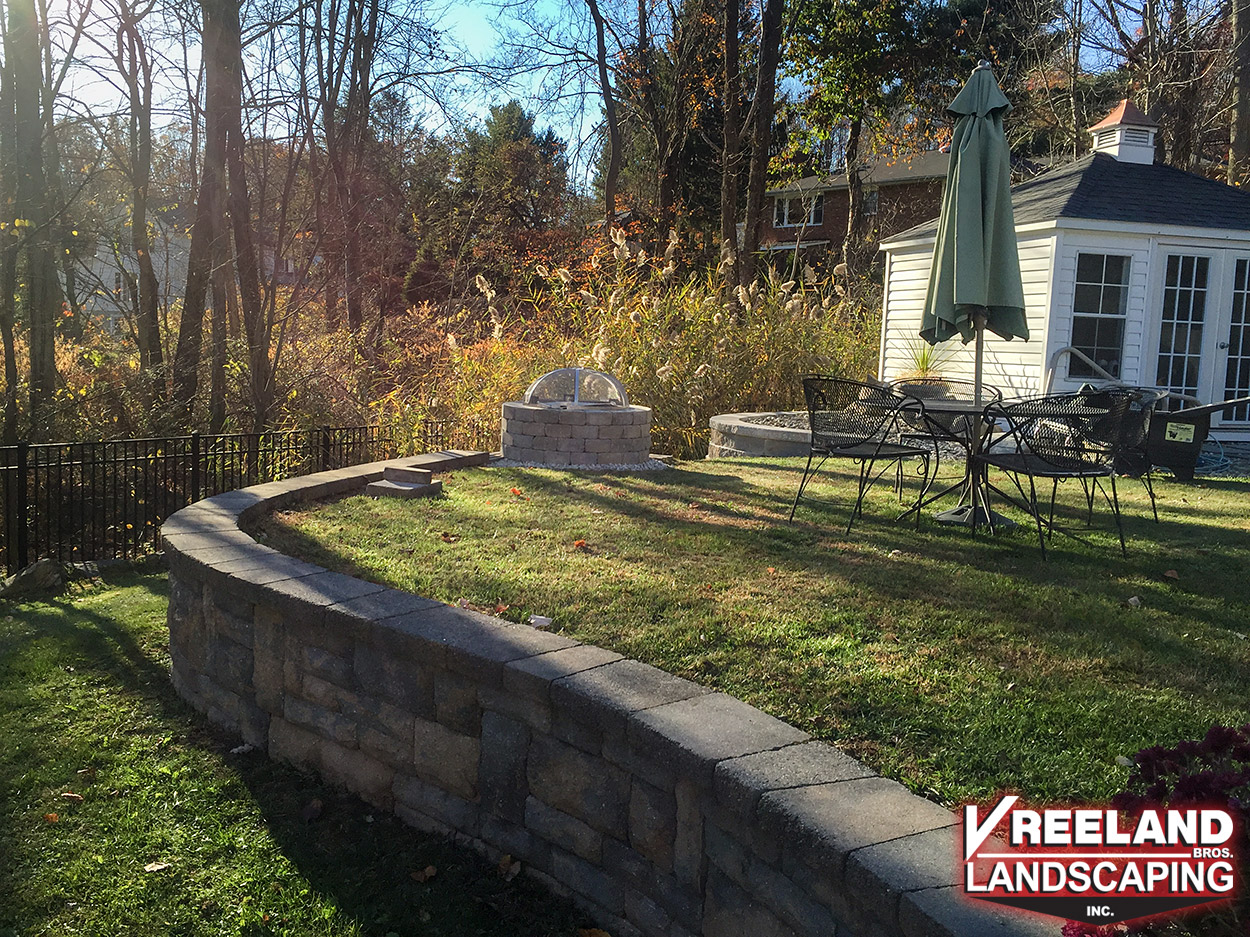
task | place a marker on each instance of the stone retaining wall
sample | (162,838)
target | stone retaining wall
(666,809)
(733,437)
(576,436)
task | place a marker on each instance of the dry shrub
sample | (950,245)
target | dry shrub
(679,347)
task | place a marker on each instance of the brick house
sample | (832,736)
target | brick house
(810,215)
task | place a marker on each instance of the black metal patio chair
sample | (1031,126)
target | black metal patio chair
(1059,437)
(1128,448)
(858,421)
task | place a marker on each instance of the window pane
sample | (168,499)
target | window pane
(1117,269)
(1084,331)
(1089,268)
(779,212)
(1088,298)
(1200,272)
(1114,300)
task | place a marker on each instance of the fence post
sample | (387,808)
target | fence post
(23,508)
(325,448)
(196,480)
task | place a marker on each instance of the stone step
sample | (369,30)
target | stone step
(414,476)
(390,489)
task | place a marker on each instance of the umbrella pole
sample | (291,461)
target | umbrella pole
(978,325)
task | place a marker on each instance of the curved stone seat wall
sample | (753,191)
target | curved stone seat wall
(732,436)
(666,809)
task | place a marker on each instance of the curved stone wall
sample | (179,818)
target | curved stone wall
(732,437)
(666,809)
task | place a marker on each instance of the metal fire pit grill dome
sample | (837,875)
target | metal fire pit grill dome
(566,387)
(576,417)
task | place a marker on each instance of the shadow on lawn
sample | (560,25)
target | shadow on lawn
(351,857)
(981,576)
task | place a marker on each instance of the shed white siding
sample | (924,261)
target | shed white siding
(1015,367)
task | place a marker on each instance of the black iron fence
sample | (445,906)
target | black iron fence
(106,500)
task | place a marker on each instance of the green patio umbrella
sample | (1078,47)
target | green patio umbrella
(974,283)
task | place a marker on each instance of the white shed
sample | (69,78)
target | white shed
(1143,269)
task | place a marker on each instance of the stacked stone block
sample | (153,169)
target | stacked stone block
(666,809)
(576,435)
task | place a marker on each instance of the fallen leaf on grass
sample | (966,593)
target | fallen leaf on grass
(508,869)
(51,817)
(312,810)
(579,544)
(87,773)
(424,875)
(448,538)
(516,491)
(771,570)
(1172,574)
(501,607)
(70,795)
(1133,601)
(156,867)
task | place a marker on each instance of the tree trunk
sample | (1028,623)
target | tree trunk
(251,307)
(1239,137)
(731,142)
(853,243)
(217,330)
(8,260)
(761,135)
(609,116)
(43,299)
(136,70)
(209,228)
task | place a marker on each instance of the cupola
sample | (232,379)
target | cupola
(1126,133)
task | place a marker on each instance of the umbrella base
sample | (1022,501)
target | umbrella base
(965,514)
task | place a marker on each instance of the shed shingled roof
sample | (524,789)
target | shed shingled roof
(1099,187)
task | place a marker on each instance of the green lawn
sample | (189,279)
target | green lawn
(122,813)
(961,666)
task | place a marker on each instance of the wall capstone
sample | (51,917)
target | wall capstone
(664,808)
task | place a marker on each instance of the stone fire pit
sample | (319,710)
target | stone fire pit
(576,416)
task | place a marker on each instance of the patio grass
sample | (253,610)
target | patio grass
(123,813)
(961,666)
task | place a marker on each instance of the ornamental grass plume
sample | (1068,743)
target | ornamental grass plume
(672,340)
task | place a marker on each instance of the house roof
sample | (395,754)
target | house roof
(1099,187)
(880,170)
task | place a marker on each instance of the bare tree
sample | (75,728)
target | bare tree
(610,119)
(208,258)
(134,65)
(43,290)
(763,106)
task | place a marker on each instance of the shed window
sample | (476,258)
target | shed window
(1098,311)
(792,212)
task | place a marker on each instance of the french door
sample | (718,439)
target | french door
(1204,330)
